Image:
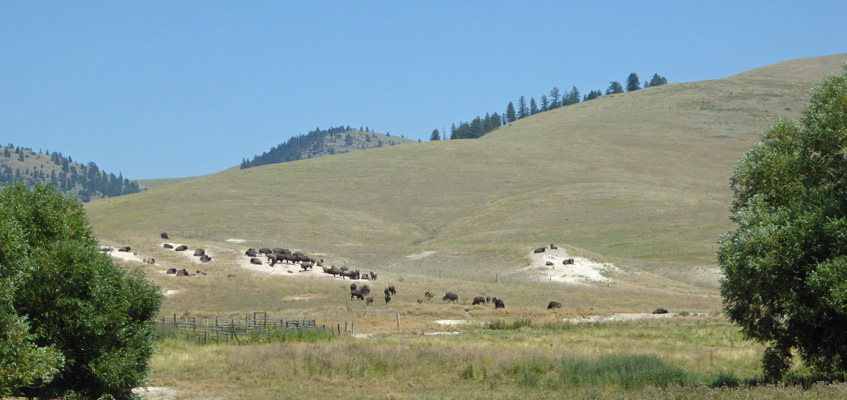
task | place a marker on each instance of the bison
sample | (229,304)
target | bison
(553,246)
(391,289)
(181,248)
(451,296)
(366,289)
(660,310)
(182,272)
(279,250)
(199,252)
(125,249)
(429,295)
(498,303)
(204,258)
(387,299)
(479,300)
(549,263)
(307,265)
(168,246)
(373,276)
(357,294)
(369,301)
(540,250)
(255,261)
(554,304)
(171,271)
(251,253)
(164,235)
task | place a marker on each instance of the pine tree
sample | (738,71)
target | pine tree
(435,135)
(533,106)
(632,83)
(510,115)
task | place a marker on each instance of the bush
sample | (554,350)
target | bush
(508,326)
(72,302)
(627,372)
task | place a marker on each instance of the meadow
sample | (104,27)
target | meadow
(638,180)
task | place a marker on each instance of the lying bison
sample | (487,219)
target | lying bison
(255,261)
(199,252)
(181,248)
(568,261)
(554,304)
(168,246)
(171,271)
(125,249)
(540,250)
(251,253)
(451,296)
(204,258)
(182,272)
(660,310)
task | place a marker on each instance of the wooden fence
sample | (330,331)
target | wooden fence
(231,329)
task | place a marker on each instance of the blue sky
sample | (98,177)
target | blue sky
(157,89)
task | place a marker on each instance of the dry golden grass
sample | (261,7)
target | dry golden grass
(638,179)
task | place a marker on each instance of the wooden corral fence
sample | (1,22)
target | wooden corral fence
(235,330)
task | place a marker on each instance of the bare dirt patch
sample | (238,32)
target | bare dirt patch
(125,256)
(581,271)
(420,255)
(618,317)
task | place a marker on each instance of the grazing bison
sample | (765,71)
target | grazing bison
(386,291)
(168,246)
(204,258)
(350,274)
(554,304)
(255,261)
(660,311)
(478,300)
(265,250)
(307,265)
(369,301)
(171,271)
(488,299)
(181,248)
(199,252)
(391,289)
(540,250)
(357,294)
(164,235)
(334,271)
(366,289)
(387,299)
(451,296)
(498,303)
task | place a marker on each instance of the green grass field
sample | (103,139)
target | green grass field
(640,180)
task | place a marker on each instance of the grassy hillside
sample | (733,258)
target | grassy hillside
(635,176)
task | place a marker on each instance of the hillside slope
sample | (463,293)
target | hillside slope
(639,178)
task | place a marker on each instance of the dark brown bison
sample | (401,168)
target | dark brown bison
(255,261)
(164,235)
(451,296)
(350,274)
(251,253)
(182,272)
(171,271)
(391,289)
(660,311)
(478,300)
(168,246)
(357,294)
(498,303)
(125,249)
(307,265)
(386,291)
(334,271)
(204,258)
(387,299)
(181,248)
(279,250)
(199,252)
(366,289)
(373,276)
(151,261)
(353,286)
(549,263)
(554,304)
(369,301)
(540,250)
(265,250)
(568,261)
(553,246)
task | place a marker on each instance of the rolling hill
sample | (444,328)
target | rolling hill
(640,179)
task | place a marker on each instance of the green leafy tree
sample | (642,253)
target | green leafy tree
(785,265)
(81,325)
(632,82)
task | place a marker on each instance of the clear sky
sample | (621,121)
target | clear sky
(157,89)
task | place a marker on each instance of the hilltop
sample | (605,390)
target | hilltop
(638,179)
(84,180)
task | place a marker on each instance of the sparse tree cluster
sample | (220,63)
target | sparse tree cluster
(86,181)
(298,147)
(554,100)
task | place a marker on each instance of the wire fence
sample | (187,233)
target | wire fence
(235,330)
